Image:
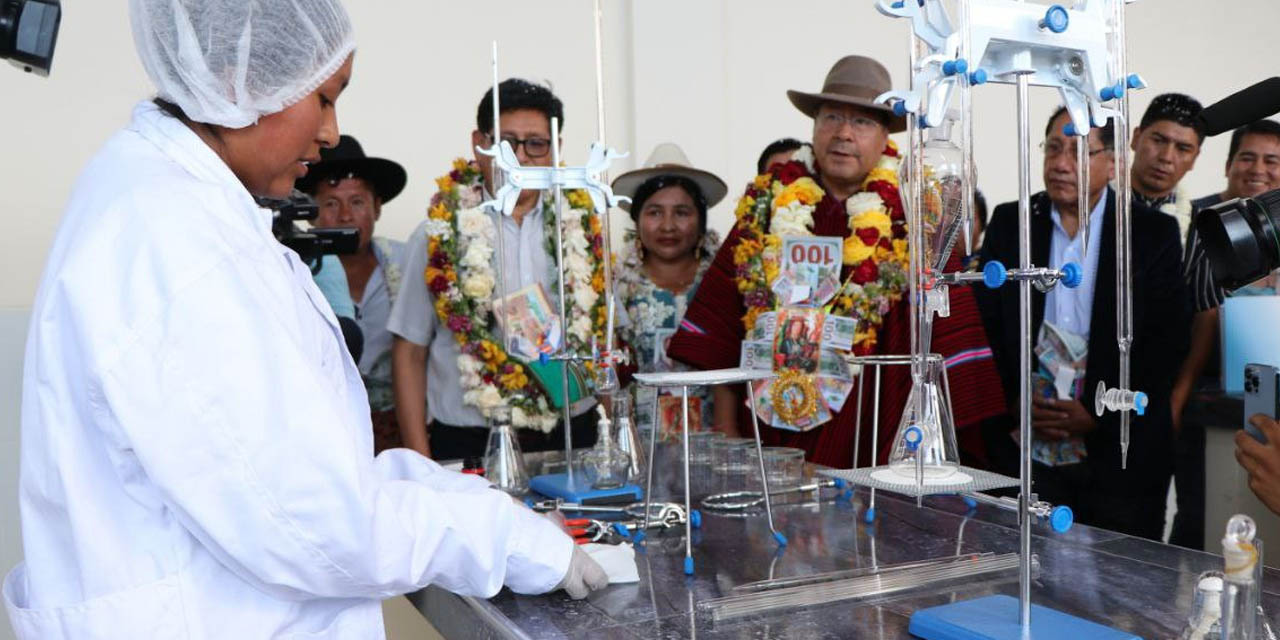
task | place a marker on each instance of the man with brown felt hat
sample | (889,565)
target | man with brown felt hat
(850,129)
(854,166)
(350,189)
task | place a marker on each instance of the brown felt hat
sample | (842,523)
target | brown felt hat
(855,80)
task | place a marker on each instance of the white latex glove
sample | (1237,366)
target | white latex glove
(584,575)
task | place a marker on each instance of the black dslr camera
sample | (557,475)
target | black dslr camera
(1241,237)
(310,244)
(29,32)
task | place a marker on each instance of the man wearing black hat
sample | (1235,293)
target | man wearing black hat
(350,189)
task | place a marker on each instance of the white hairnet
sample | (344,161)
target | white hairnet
(230,62)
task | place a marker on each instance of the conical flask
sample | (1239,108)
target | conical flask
(503,460)
(926,439)
(945,209)
(628,437)
(605,465)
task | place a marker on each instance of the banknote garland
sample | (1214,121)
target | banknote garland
(781,204)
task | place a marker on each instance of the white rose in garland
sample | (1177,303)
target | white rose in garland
(794,219)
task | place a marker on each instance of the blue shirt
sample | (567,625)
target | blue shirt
(1071,309)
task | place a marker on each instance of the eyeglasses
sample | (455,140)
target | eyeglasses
(533,147)
(862,125)
(1053,149)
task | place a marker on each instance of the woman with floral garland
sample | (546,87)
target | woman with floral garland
(661,267)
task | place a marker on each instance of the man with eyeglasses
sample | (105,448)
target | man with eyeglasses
(1076,454)
(426,352)
(850,139)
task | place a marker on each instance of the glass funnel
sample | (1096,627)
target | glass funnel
(503,460)
(926,439)
(944,210)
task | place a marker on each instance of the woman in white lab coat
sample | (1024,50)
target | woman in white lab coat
(196,450)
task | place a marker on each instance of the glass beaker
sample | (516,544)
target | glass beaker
(700,443)
(784,467)
(733,455)
(503,460)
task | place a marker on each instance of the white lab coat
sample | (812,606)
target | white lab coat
(196,449)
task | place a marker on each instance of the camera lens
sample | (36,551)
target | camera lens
(1240,238)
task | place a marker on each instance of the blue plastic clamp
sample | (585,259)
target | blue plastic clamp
(869,516)
(897,5)
(978,77)
(952,67)
(1061,518)
(528,502)
(994,274)
(1107,93)
(969,502)
(1119,89)
(688,565)
(638,537)
(622,530)
(841,483)
(912,437)
(1072,275)
(543,358)
(1056,19)
(900,108)
(1140,403)
(1069,130)
(782,540)
(695,519)
(1133,81)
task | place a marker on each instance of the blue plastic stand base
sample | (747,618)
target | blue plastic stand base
(556,485)
(996,618)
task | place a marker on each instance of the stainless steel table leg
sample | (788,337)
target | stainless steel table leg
(764,477)
(688,502)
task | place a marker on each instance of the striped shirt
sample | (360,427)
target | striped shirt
(1205,293)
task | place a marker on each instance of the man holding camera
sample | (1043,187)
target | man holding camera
(1077,455)
(349,189)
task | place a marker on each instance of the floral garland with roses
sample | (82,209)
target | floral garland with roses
(782,203)
(461,277)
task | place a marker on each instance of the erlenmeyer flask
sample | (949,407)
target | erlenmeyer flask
(926,437)
(605,465)
(945,210)
(503,460)
(628,438)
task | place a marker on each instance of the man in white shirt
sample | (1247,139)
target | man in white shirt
(425,352)
(350,188)
(1077,454)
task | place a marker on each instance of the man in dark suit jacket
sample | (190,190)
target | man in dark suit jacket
(1101,493)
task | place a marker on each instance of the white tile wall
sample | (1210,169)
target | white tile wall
(13,337)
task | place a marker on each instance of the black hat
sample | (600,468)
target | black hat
(348,160)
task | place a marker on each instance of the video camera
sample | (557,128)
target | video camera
(1241,237)
(310,244)
(29,32)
